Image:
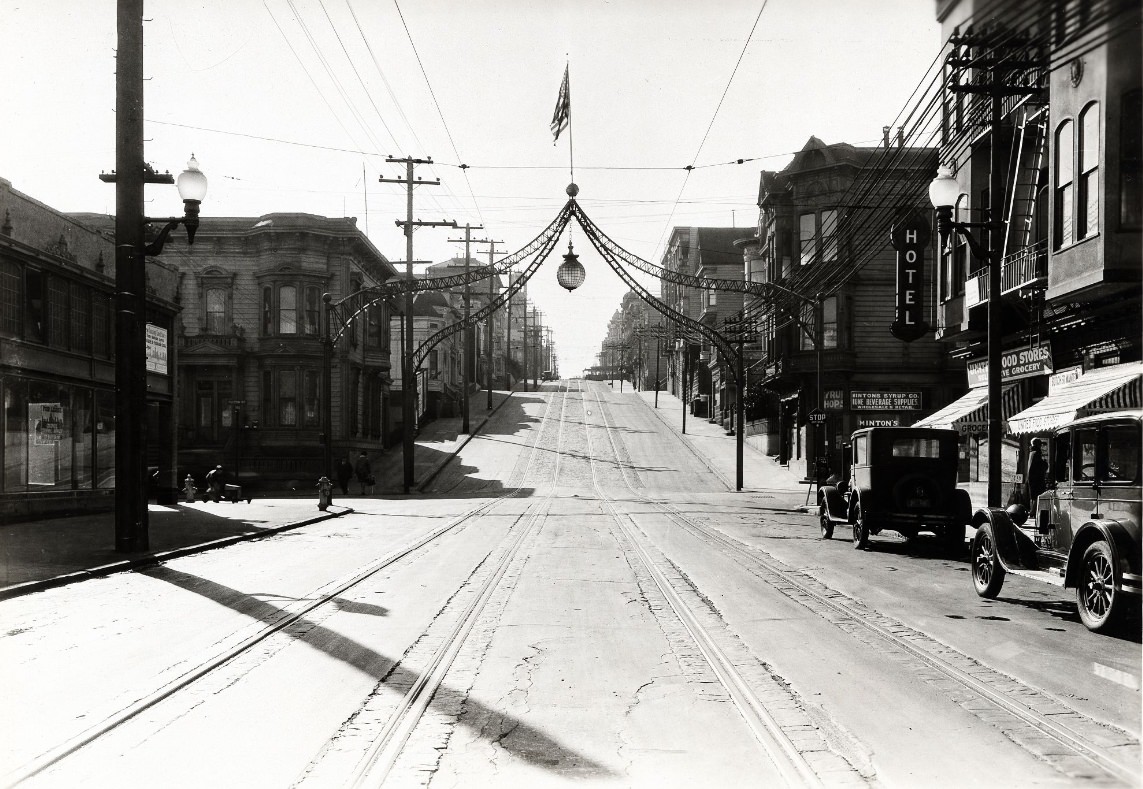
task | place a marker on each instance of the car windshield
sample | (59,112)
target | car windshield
(916,448)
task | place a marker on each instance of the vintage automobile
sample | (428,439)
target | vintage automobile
(902,479)
(1085,530)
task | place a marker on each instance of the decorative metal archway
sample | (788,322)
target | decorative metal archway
(345,311)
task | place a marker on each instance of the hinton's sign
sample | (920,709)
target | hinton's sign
(910,237)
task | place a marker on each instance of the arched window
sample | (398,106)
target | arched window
(1065,186)
(216,311)
(1087,222)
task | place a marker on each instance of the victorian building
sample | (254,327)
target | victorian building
(251,347)
(823,245)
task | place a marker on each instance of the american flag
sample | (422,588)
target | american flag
(563,108)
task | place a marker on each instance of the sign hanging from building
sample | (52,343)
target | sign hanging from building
(909,238)
(156,349)
(884,401)
(1014,365)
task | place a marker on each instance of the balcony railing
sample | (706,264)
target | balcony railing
(1024,268)
(1028,266)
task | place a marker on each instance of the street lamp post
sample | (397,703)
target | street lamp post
(944,192)
(131,173)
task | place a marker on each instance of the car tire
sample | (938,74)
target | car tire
(1100,603)
(860,529)
(987,571)
(826,523)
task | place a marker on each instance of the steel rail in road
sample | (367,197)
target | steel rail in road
(323,596)
(1067,730)
(378,761)
(793,767)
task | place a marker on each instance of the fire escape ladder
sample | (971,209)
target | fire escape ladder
(1025,179)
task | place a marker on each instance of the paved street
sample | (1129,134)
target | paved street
(578,598)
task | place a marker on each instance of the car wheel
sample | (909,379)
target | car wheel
(987,571)
(1100,603)
(827,524)
(860,529)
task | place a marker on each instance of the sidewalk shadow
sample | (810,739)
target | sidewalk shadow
(521,740)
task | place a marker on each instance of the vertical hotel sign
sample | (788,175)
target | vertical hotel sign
(910,236)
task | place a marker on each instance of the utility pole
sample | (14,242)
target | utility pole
(524,340)
(509,357)
(408,382)
(491,297)
(467,341)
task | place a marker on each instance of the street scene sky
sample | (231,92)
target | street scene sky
(294,105)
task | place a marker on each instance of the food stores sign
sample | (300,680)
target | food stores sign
(1021,363)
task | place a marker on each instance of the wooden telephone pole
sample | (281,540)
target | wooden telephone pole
(408,382)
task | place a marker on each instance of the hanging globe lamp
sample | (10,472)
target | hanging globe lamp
(570,274)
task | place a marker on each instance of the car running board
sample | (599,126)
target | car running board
(1053,577)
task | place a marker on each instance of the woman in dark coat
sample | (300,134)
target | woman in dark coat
(344,474)
(364,472)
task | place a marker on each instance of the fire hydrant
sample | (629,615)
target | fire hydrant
(189,489)
(325,493)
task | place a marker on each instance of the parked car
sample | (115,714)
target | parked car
(903,479)
(1085,530)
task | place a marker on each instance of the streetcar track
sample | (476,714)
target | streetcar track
(323,596)
(787,755)
(388,740)
(1040,715)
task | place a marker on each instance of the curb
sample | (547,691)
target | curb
(18,590)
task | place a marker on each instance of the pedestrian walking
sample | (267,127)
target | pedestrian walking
(344,474)
(364,470)
(216,482)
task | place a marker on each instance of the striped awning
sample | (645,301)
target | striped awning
(1097,391)
(969,414)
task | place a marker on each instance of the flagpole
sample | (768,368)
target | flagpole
(571,146)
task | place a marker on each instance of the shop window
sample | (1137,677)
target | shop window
(10,297)
(1065,192)
(1087,222)
(1131,162)
(49,436)
(104,439)
(82,420)
(15,434)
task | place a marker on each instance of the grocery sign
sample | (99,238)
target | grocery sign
(1014,365)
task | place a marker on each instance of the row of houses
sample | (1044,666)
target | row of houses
(821,341)
(235,352)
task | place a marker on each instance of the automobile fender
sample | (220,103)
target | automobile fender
(1119,540)
(963,505)
(1015,549)
(834,502)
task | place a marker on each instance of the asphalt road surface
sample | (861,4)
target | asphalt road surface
(577,599)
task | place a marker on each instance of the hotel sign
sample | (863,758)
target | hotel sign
(909,238)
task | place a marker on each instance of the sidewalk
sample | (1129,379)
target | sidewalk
(37,555)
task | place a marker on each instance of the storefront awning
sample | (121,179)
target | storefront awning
(1104,389)
(969,414)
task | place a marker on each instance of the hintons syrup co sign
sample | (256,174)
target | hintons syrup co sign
(909,238)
